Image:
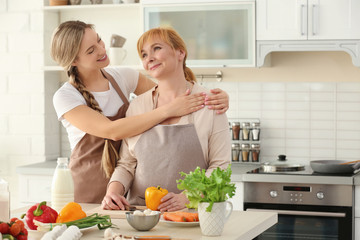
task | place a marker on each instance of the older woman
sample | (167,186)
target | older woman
(177,144)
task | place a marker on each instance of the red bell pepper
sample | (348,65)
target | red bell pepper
(40,212)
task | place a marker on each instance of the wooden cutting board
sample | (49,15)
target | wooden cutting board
(112,213)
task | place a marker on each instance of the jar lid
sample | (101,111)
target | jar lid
(255,124)
(246,124)
(62,160)
(245,145)
(235,145)
(255,146)
(236,124)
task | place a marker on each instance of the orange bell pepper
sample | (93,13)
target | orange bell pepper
(153,197)
(70,212)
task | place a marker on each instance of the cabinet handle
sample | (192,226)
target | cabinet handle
(303,19)
(314,19)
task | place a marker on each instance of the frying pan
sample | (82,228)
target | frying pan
(334,166)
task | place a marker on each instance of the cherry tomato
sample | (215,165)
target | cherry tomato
(24,231)
(21,237)
(13,220)
(15,229)
(21,223)
(4,228)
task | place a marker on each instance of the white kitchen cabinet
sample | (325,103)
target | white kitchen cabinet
(238,199)
(34,188)
(307,19)
(216,34)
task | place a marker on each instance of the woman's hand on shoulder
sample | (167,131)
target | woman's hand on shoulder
(173,202)
(186,104)
(219,101)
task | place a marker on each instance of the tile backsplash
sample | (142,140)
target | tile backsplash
(304,121)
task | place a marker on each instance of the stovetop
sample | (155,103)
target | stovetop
(307,172)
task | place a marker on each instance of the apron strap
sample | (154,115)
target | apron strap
(115,85)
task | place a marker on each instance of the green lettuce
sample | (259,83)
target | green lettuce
(200,188)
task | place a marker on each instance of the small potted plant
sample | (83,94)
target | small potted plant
(209,195)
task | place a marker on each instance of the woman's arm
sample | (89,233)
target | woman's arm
(144,84)
(94,123)
(219,101)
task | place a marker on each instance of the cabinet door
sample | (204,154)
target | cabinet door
(334,19)
(281,19)
(238,199)
(215,34)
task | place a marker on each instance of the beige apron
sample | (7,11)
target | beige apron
(85,162)
(162,152)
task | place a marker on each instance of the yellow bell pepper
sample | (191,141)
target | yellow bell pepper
(153,197)
(70,212)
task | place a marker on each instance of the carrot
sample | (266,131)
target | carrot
(181,216)
(174,217)
(190,217)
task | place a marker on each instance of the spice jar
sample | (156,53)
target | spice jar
(236,130)
(235,151)
(245,130)
(255,131)
(245,149)
(255,152)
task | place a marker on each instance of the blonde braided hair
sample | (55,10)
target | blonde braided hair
(65,46)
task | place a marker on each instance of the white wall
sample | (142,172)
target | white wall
(21,87)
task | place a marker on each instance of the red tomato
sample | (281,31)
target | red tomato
(21,237)
(15,229)
(4,228)
(24,231)
(21,223)
(13,220)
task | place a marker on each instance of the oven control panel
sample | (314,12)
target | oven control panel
(295,193)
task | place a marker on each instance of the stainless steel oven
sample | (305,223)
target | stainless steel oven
(305,210)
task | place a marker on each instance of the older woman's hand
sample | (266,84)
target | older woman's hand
(173,202)
(114,201)
(219,101)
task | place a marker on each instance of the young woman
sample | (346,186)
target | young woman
(156,157)
(92,106)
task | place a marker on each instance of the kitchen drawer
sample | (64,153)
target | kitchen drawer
(34,188)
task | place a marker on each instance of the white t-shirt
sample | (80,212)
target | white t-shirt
(68,97)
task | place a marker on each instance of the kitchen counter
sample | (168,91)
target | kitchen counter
(238,174)
(241,225)
(42,168)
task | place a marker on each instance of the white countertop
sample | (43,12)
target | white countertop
(238,174)
(241,225)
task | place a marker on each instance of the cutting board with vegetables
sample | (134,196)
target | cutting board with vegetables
(116,214)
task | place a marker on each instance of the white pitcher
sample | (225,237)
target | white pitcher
(212,223)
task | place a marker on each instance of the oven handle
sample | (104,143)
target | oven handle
(301,213)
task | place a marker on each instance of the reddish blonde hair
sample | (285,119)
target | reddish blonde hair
(173,39)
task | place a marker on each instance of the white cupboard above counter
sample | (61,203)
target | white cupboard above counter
(307,25)
(216,34)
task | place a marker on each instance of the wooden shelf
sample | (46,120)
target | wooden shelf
(90,6)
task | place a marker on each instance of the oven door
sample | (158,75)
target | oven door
(307,221)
